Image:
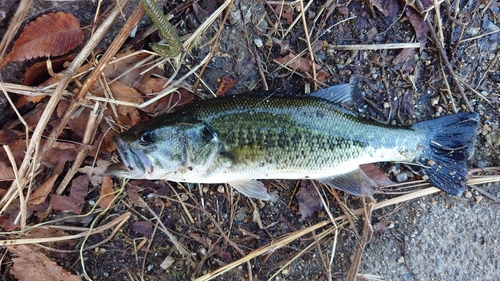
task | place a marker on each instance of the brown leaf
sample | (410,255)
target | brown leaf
(8,136)
(107,193)
(97,172)
(285,12)
(419,25)
(303,65)
(376,175)
(52,34)
(308,198)
(133,74)
(78,191)
(6,172)
(43,191)
(32,265)
(38,73)
(389,8)
(381,227)
(59,153)
(142,227)
(226,256)
(405,60)
(205,241)
(225,85)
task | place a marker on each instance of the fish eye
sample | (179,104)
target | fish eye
(147,138)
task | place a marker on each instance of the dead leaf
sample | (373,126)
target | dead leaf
(389,8)
(226,83)
(43,191)
(308,199)
(8,136)
(226,256)
(285,12)
(38,73)
(381,227)
(52,34)
(8,217)
(78,191)
(97,172)
(405,60)
(32,265)
(373,172)
(303,65)
(125,61)
(419,25)
(205,241)
(142,227)
(107,193)
(6,172)
(59,153)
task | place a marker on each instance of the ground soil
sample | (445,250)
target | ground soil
(437,237)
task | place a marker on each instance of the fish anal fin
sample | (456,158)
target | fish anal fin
(251,188)
(354,182)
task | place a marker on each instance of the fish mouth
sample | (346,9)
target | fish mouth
(134,165)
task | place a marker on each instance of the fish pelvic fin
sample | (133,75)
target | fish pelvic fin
(355,182)
(251,188)
(449,143)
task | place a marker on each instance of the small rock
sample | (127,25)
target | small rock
(402,177)
(434,101)
(468,194)
(258,42)
(440,264)
(478,198)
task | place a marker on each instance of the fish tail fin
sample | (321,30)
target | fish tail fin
(449,143)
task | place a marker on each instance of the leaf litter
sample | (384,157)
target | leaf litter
(130,79)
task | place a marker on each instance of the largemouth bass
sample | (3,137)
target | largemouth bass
(240,139)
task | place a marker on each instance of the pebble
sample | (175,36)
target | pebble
(258,42)
(440,264)
(402,177)
(434,101)
(468,194)
(478,198)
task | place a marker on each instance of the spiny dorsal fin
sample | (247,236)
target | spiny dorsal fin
(343,93)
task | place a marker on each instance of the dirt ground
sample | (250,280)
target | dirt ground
(435,237)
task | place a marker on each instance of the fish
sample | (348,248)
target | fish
(241,139)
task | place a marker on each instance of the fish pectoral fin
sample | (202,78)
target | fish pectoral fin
(251,188)
(354,182)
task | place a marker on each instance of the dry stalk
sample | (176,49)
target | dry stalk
(30,160)
(340,219)
(180,248)
(14,25)
(367,233)
(213,47)
(308,41)
(88,137)
(444,57)
(118,221)
(362,47)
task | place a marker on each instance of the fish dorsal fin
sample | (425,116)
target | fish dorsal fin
(354,182)
(343,93)
(251,188)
